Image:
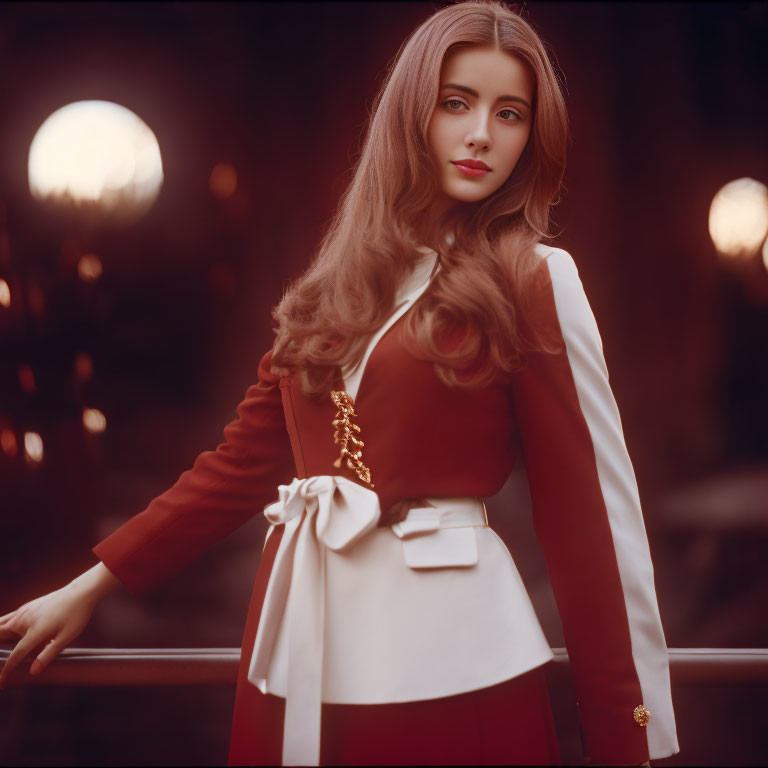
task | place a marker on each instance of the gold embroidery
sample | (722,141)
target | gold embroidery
(343,435)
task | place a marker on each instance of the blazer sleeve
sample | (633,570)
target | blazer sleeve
(223,489)
(588,520)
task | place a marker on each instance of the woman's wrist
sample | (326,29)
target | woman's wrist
(95,583)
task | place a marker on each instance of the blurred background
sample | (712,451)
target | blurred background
(132,324)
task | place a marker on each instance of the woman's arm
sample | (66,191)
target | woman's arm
(588,519)
(223,489)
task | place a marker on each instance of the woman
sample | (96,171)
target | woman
(388,623)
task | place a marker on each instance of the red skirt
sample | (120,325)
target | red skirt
(506,724)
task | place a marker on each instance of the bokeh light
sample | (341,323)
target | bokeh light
(5,294)
(8,442)
(738,218)
(33,447)
(83,366)
(89,268)
(223,181)
(96,155)
(94,420)
(26,378)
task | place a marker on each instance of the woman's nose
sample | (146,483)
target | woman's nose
(479,136)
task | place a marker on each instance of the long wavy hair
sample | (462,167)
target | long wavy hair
(327,316)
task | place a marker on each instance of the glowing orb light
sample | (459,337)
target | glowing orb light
(5,293)
(89,268)
(94,420)
(738,218)
(97,157)
(765,254)
(33,447)
(223,180)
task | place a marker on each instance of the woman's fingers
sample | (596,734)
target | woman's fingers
(46,656)
(46,625)
(8,634)
(23,647)
(7,619)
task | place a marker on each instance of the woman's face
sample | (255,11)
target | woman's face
(483,113)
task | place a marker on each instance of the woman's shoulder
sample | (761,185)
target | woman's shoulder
(556,269)
(555,259)
(559,297)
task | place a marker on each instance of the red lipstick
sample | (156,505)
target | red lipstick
(471,167)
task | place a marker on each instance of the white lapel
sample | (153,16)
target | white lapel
(410,291)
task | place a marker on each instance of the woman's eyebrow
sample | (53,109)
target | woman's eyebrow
(473,92)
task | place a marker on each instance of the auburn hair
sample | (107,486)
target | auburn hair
(327,316)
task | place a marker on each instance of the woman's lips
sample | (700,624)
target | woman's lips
(467,171)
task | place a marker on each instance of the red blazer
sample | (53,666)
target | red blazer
(423,439)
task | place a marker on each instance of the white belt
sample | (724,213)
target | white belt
(334,512)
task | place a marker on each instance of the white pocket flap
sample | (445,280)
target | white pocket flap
(443,548)
(407,528)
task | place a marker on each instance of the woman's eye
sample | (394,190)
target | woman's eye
(511,112)
(453,101)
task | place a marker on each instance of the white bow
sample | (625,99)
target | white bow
(338,513)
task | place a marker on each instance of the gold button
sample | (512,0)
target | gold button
(642,715)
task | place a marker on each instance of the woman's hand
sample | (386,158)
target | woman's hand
(54,620)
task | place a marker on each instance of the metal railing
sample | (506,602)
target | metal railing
(689,667)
